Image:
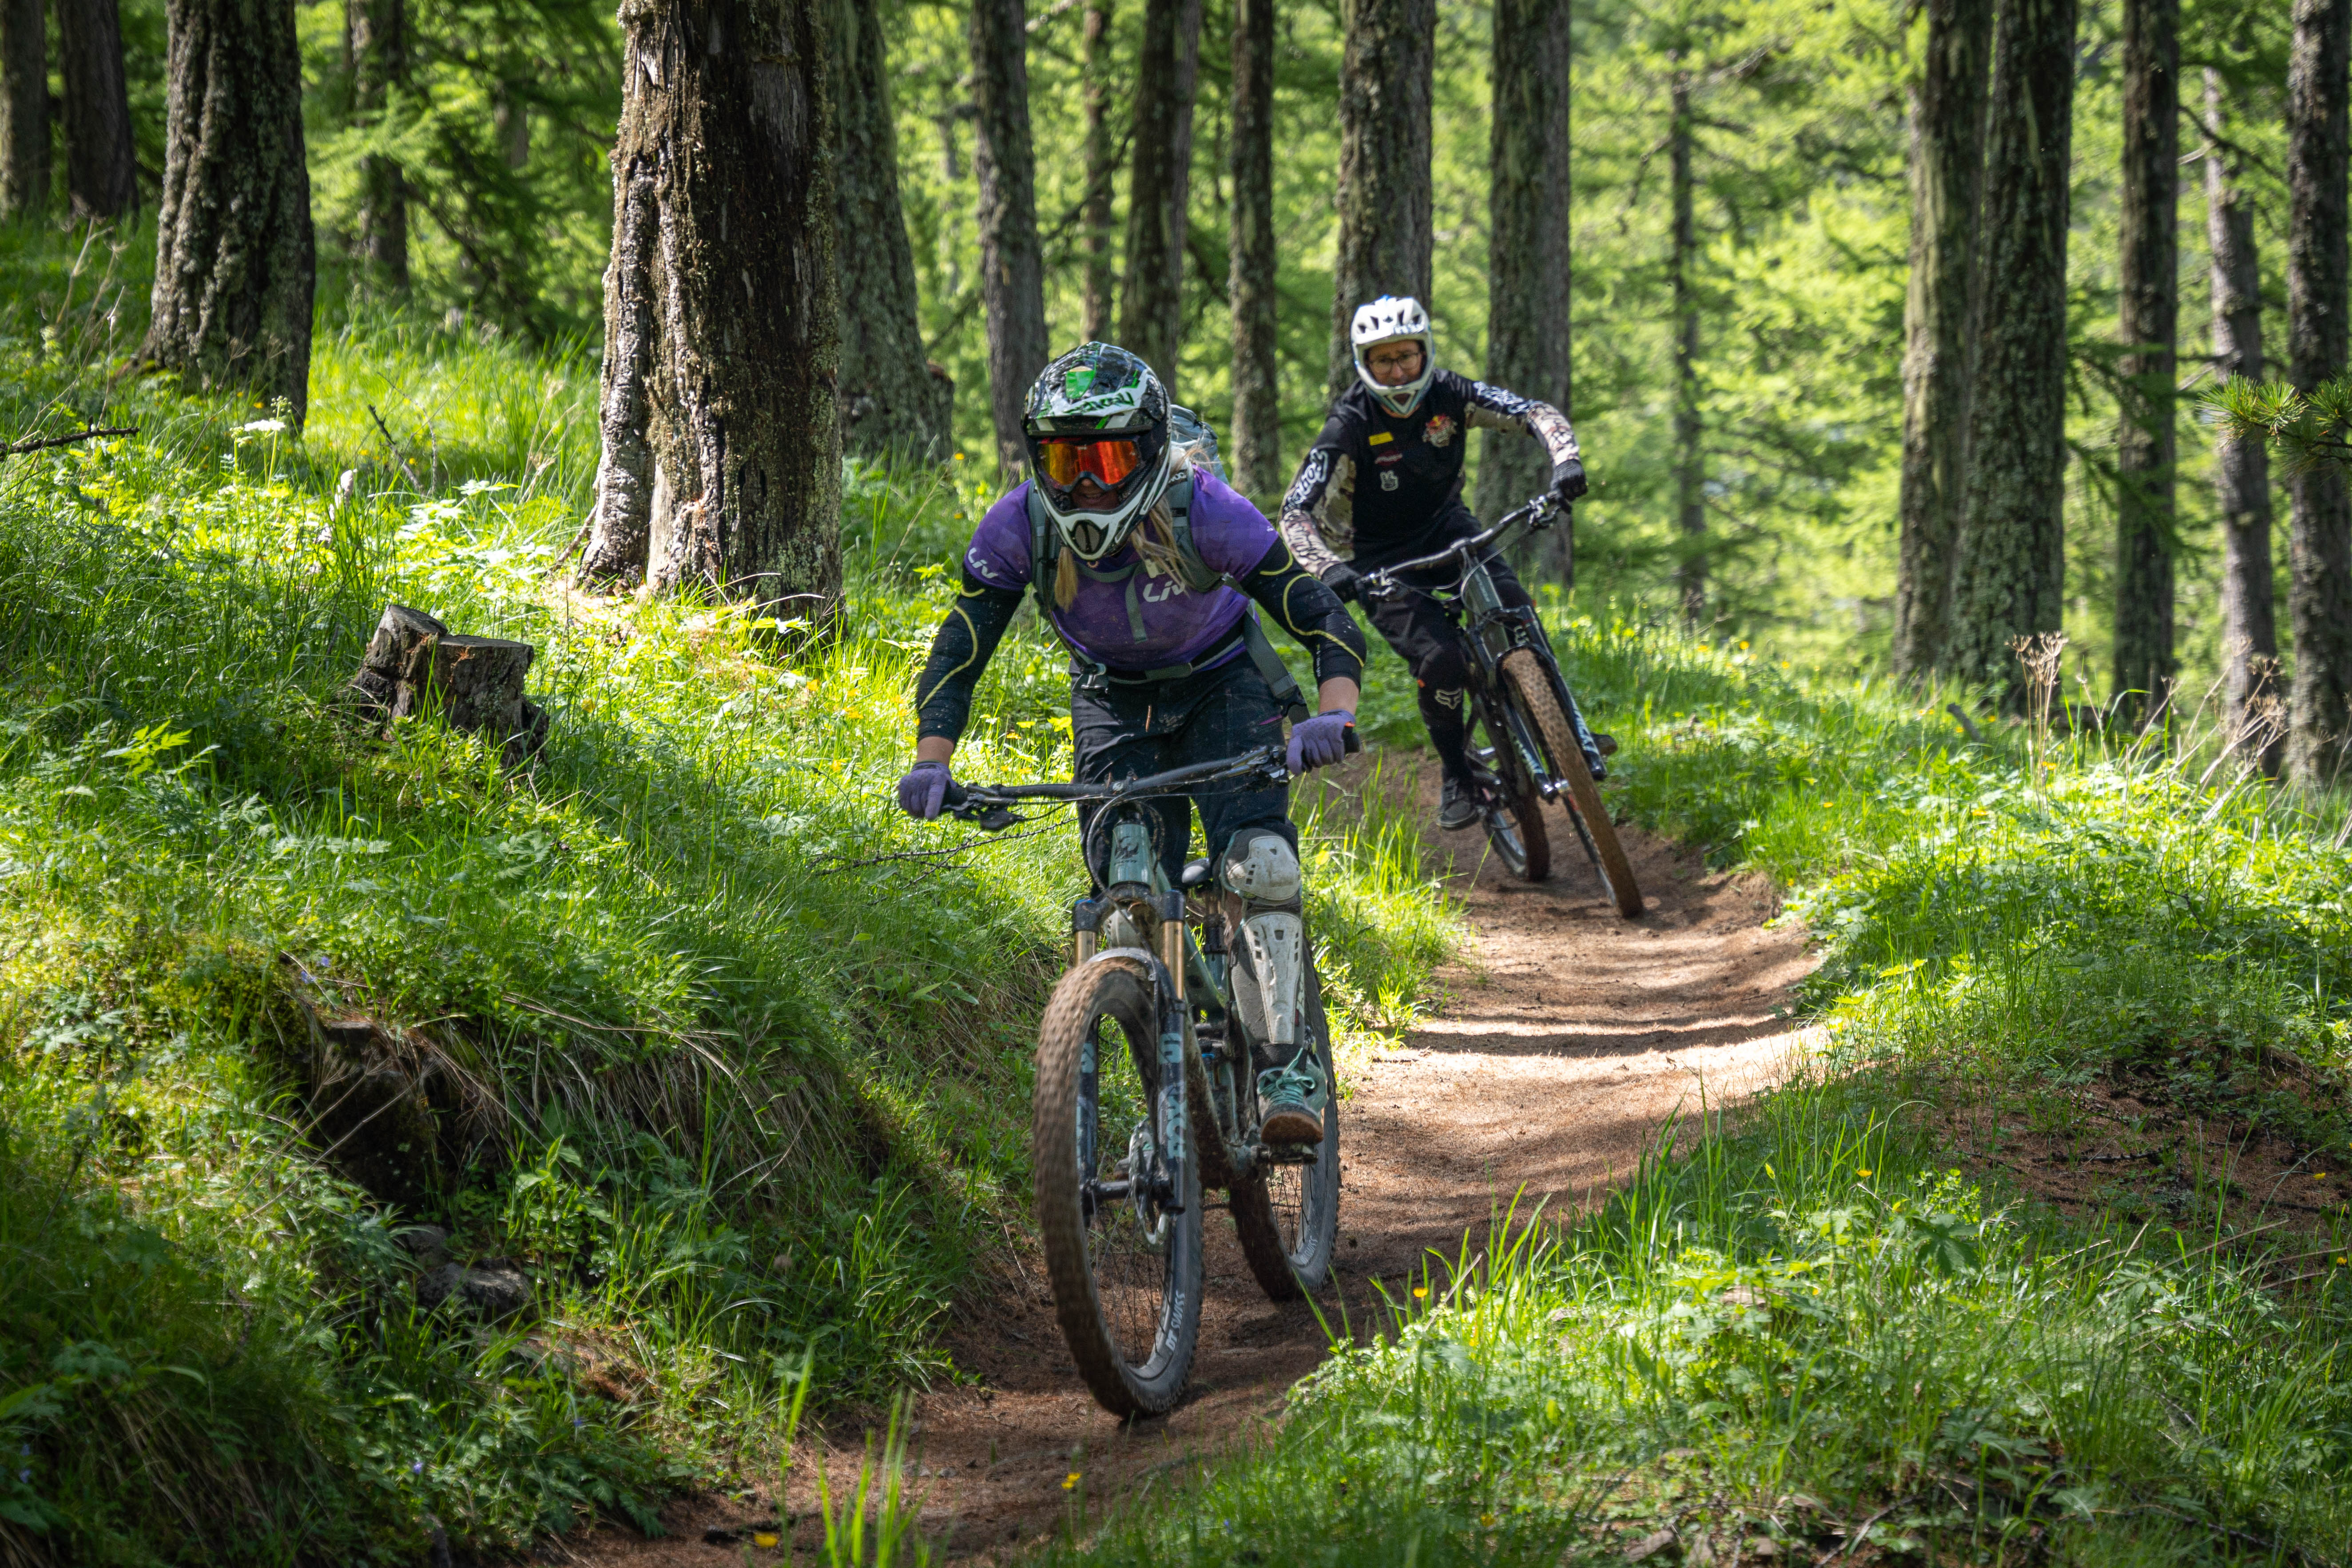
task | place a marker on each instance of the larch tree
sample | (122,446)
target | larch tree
(24,108)
(1947,165)
(1012,269)
(1386,67)
(235,263)
(2010,578)
(1250,286)
(1527,319)
(2241,470)
(2149,299)
(101,176)
(1095,208)
(1159,184)
(375,36)
(1690,458)
(721,459)
(892,401)
(2319,551)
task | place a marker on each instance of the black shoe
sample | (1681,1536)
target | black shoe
(1458,807)
(1604,744)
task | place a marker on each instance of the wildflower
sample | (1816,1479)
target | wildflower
(1420,1292)
(417,1469)
(1487,1520)
(1862,1172)
(1070,1482)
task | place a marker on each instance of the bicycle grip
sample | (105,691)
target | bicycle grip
(1355,742)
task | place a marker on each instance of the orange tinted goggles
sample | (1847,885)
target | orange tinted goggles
(1108,462)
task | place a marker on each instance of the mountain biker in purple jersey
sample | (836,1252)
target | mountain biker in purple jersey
(1383,483)
(1146,567)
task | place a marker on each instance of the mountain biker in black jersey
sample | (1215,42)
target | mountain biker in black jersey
(1146,566)
(1383,483)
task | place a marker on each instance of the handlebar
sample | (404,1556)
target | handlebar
(986,804)
(1536,514)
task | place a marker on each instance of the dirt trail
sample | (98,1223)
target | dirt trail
(1549,1064)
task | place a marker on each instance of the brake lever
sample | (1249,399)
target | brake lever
(987,818)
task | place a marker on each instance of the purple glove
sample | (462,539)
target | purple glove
(1319,742)
(924,790)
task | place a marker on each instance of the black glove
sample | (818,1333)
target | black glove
(1568,479)
(1345,581)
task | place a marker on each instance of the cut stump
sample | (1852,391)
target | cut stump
(415,665)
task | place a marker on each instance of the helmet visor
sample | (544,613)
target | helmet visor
(1109,462)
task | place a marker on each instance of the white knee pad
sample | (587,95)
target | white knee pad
(1262,868)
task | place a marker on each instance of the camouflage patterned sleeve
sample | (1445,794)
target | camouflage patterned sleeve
(1491,408)
(1318,515)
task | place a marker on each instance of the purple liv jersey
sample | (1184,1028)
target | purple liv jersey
(1131,614)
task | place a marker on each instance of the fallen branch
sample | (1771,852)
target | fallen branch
(1976,737)
(414,483)
(21,448)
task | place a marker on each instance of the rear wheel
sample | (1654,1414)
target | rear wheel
(1513,809)
(1533,689)
(1125,1269)
(1287,1215)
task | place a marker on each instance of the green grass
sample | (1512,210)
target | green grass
(737,1082)
(1834,1308)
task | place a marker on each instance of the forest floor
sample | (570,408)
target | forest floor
(1559,1050)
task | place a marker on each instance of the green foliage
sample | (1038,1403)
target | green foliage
(2309,431)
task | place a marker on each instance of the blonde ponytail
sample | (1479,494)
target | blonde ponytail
(1066,577)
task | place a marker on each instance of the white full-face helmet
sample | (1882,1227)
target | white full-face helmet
(1392,319)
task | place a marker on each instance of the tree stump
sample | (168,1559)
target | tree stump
(415,665)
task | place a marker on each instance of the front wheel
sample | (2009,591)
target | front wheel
(1122,1249)
(1533,689)
(1287,1215)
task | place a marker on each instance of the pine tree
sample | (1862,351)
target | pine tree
(1013,271)
(1095,214)
(2150,299)
(375,36)
(1690,461)
(1385,86)
(2319,594)
(1159,184)
(1947,116)
(1257,399)
(235,263)
(24,108)
(101,177)
(2011,575)
(722,447)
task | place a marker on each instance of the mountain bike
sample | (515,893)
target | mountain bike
(1537,746)
(1146,1097)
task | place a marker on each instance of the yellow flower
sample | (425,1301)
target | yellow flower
(1418,1291)
(1864,1171)
(1487,1520)
(1070,1482)
(959,457)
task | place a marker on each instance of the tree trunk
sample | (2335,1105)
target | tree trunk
(1947,114)
(1690,501)
(2009,580)
(1257,394)
(1158,185)
(376,32)
(1094,64)
(2148,319)
(722,315)
(235,266)
(415,665)
(1528,258)
(2241,472)
(1012,272)
(1385,72)
(2319,549)
(24,108)
(892,402)
(102,180)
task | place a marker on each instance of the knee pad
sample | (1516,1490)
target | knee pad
(1262,868)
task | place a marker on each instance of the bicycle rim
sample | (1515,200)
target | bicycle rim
(1514,817)
(1124,1272)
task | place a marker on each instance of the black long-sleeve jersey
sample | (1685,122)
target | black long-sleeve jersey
(1374,485)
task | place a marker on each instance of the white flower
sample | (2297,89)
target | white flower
(262,427)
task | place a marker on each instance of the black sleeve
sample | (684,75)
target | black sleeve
(1301,604)
(966,639)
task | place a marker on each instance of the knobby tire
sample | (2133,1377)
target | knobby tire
(1532,686)
(1287,1217)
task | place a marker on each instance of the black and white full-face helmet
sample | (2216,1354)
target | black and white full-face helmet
(1393,318)
(1097,421)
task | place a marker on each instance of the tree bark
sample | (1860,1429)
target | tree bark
(1527,256)
(2319,549)
(102,180)
(2242,473)
(1690,473)
(1257,395)
(1158,185)
(1094,62)
(235,266)
(2010,577)
(415,665)
(1013,271)
(1385,84)
(1947,115)
(24,108)
(892,402)
(376,34)
(2149,290)
(723,314)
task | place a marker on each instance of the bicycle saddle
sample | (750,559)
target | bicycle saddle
(1196,874)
